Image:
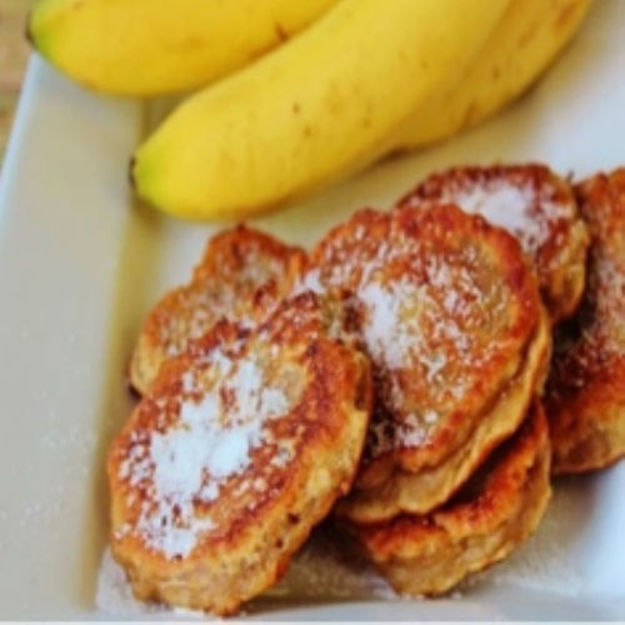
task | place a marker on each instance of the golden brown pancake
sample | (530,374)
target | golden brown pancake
(244,273)
(450,315)
(240,447)
(535,205)
(496,511)
(586,390)
(407,491)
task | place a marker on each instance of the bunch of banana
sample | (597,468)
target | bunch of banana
(361,79)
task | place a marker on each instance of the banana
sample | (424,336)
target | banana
(530,35)
(149,47)
(313,110)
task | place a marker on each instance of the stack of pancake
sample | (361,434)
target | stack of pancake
(580,262)
(394,375)
(460,342)
(429,513)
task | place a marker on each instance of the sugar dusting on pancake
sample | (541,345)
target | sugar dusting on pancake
(512,207)
(197,309)
(527,201)
(240,447)
(242,277)
(427,319)
(209,441)
(533,204)
(586,387)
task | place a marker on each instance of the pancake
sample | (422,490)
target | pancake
(535,205)
(496,511)
(586,391)
(244,273)
(450,315)
(242,444)
(408,491)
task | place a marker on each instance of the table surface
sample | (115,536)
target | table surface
(14,51)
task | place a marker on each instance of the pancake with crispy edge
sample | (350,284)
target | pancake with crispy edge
(586,390)
(241,446)
(535,205)
(496,511)
(450,314)
(243,274)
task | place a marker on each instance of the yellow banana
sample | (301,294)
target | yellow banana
(311,111)
(529,36)
(148,47)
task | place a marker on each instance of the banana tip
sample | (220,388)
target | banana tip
(131,172)
(28,32)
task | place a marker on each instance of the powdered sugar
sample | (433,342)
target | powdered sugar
(387,329)
(506,206)
(420,309)
(259,267)
(518,205)
(252,398)
(210,442)
(309,281)
(395,341)
(410,325)
(197,308)
(192,310)
(607,288)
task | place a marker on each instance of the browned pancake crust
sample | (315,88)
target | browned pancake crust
(448,310)
(495,512)
(240,447)
(586,390)
(424,490)
(243,274)
(535,205)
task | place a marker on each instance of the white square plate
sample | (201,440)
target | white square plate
(80,265)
